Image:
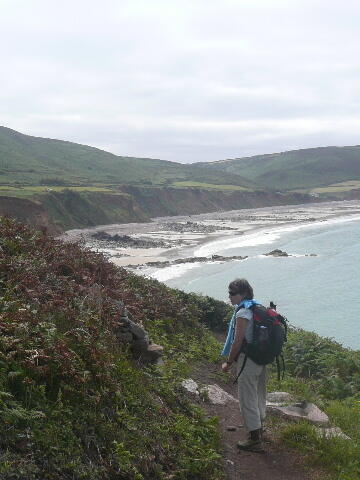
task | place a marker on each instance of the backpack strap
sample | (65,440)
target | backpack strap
(283,362)
(278,367)
(241,370)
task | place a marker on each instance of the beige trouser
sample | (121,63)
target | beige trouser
(252,393)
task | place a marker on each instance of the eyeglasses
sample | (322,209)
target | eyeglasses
(232,294)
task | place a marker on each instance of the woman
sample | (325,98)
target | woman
(252,381)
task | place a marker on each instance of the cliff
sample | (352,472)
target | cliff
(60,211)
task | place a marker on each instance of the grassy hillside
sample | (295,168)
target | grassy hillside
(28,163)
(76,404)
(74,401)
(27,160)
(306,169)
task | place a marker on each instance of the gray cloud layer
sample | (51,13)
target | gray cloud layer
(182,80)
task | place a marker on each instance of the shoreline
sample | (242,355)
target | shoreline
(186,236)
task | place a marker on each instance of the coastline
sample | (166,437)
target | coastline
(202,235)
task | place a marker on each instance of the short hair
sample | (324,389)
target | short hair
(242,286)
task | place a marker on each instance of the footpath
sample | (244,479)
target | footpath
(277,463)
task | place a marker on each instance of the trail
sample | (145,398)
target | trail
(277,463)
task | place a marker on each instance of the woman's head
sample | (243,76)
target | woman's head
(240,289)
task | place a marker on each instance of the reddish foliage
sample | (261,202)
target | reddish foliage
(58,307)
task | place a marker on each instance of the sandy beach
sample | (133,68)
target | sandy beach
(167,239)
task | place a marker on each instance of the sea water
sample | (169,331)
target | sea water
(320,293)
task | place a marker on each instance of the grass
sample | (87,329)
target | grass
(323,372)
(30,191)
(210,186)
(304,169)
(338,187)
(46,161)
(338,456)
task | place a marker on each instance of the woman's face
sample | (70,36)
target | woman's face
(234,297)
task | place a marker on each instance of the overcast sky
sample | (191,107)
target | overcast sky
(187,81)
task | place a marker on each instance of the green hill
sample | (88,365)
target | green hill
(298,169)
(27,160)
(33,161)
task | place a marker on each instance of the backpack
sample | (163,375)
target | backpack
(269,335)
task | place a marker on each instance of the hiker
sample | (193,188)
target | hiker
(252,381)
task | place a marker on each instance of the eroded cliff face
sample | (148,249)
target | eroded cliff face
(156,202)
(29,211)
(60,211)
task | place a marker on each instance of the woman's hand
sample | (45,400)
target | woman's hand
(225,367)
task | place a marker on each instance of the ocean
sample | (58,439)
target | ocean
(320,293)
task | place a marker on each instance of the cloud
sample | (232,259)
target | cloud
(182,80)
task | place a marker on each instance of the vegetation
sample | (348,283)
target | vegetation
(307,168)
(74,403)
(33,161)
(63,185)
(323,372)
(32,191)
(209,186)
(338,188)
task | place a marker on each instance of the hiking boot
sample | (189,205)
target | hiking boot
(253,443)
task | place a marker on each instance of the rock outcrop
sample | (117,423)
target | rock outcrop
(277,253)
(127,241)
(301,411)
(179,261)
(127,331)
(281,404)
(193,227)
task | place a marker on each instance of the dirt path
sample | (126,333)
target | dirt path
(277,463)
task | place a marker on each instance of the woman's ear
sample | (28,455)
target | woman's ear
(241,299)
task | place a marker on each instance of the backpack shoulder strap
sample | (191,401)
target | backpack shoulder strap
(241,369)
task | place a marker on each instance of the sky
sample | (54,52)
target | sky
(187,81)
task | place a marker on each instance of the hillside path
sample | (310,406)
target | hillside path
(277,463)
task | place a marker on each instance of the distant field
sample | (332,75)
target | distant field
(210,185)
(338,187)
(30,191)
(311,168)
(36,190)
(333,188)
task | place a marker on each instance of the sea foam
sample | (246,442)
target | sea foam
(265,236)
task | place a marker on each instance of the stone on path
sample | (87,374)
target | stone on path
(191,386)
(215,394)
(300,411)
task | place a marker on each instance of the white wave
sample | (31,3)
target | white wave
(258,238)
(167,273)
(265,236)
